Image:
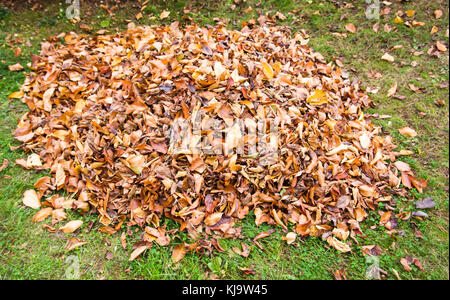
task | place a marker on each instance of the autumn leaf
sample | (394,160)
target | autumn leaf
(213,218)
(406,131)
(71,226)
(388,57)
(290,237)
(136,252)
(398,20)
(15,67)
(338,245)
(74,243)
(318,98)
(16,95)
(438,13)
(441,47)
(350,27)
(392,90)
(267,70)
(4,164)
(178,253)
(31,199)
(42,214)
(164,14)
(410,13)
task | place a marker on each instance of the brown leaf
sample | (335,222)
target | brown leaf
(178,253)
(74,243)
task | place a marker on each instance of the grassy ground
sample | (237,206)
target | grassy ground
(28,251)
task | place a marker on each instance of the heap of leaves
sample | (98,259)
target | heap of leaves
(101,110)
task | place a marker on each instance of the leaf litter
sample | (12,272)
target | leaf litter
(101,115)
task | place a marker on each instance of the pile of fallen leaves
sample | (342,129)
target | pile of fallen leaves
(101,110)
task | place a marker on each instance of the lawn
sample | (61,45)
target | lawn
(27,251)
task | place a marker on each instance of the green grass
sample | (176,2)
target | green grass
(28,251)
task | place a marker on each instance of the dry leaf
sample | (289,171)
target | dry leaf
(438,13)
(71,226)
(15,67)
(178,253)
(388,57)
(406,131)
(136,252)
(74,243)
(441,47)
(42,214)
(350,27)
(290,237)
(165,14)
(338,245)
(31,199)
(392,90)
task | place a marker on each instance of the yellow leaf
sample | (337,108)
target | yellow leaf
(16,95)
(398,20)
(267,70)
(434,30)
(318,98)
(410,13)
